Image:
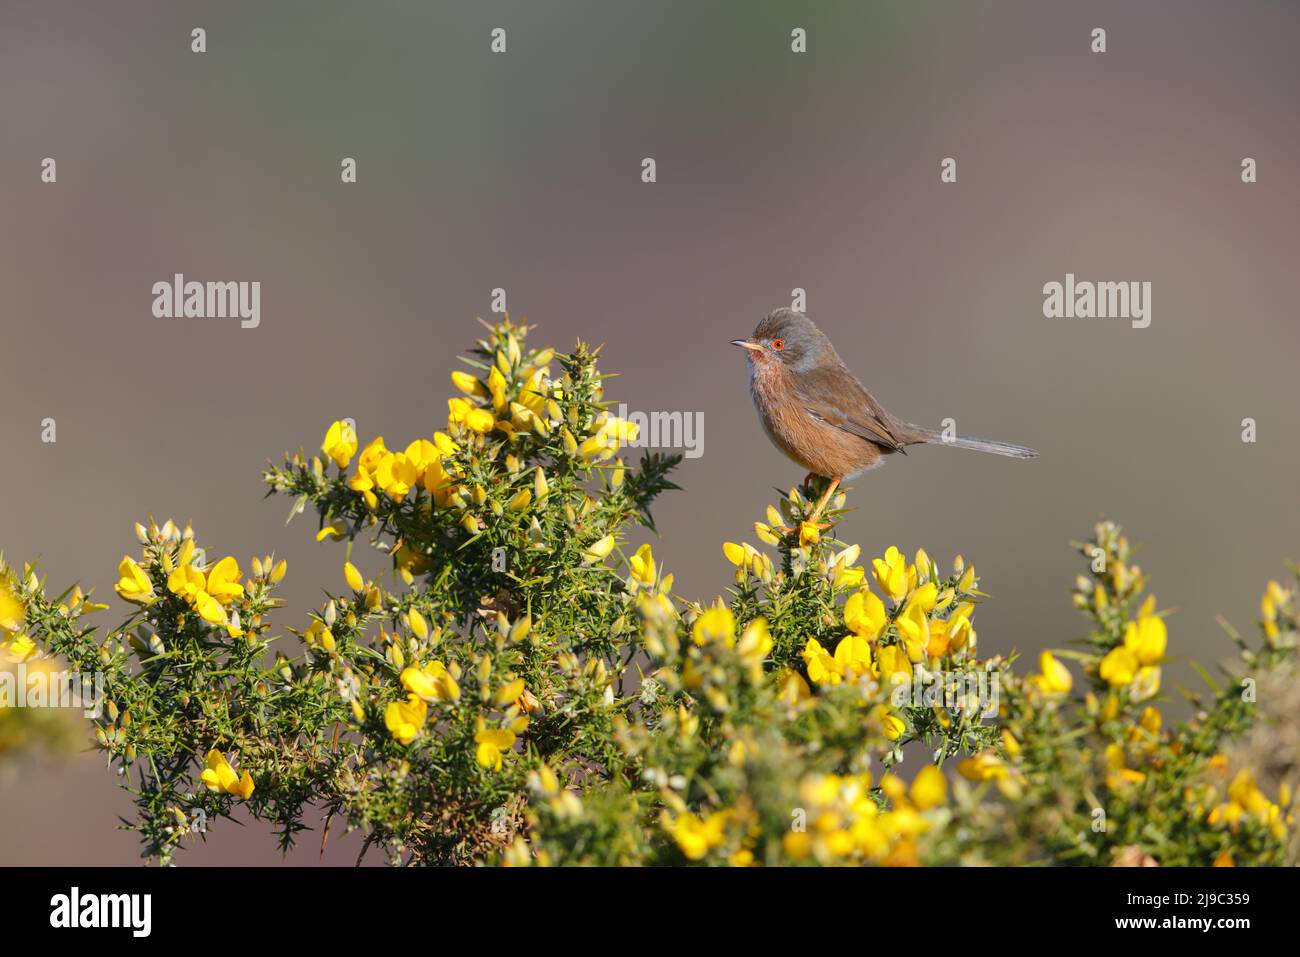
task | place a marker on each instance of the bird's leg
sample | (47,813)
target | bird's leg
(826,497)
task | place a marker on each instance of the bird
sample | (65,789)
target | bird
(820,416)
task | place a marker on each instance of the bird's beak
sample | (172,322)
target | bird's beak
(746,344)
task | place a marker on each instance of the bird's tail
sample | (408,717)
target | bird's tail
(934,437)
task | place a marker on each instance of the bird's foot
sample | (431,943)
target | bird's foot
(826,497)
(787,530)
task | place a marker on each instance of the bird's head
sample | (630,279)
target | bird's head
(789,338)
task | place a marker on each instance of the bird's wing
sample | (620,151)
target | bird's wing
(837,398)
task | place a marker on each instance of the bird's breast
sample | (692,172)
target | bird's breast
(812,443)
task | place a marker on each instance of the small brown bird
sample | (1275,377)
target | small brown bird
(817,412)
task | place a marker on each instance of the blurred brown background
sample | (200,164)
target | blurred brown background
(775,170)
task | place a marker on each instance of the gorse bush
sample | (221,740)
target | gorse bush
(517,688)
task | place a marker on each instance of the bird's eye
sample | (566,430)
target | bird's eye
(778,344)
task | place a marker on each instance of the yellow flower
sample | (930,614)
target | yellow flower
(1245,797)
(967,581)
(598,550)
(735,554)
(444,444)
(610,434)
(1119,667)
(210,609)
(353,577)
(598,447)
(716,624)
(808,534)
(220,776)
(545,780)
(422,455)
(433,682)
(985,766)
(441,484)
(186,581)
(419,627)
(892,726)
(1010,743)
(643,565)
(405,718)
(1146,639)
(621,429)
(491,743)
(914,629)
(520,629)
(468,384)
(892,573)
(395,474)
(206,594)
(798,844)
(541,488)
(1055,677)
(791,686)
(318,634)
(930,789)
(496,384)
(509,693)
(133,583)
(1150,720)
(373,453)
(822,668)
(363,482)
(1274,599)
(462,414)
(340,443)
(939,643)
(695,836)
(223,581)
(1120,776)
(923,564)
(893,660)
(864,614)
(756,641)
(19,649)
(960,632)
(925,597)
(854,653)
(12,610)
(1146,683)
(848,576)
(334,531)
